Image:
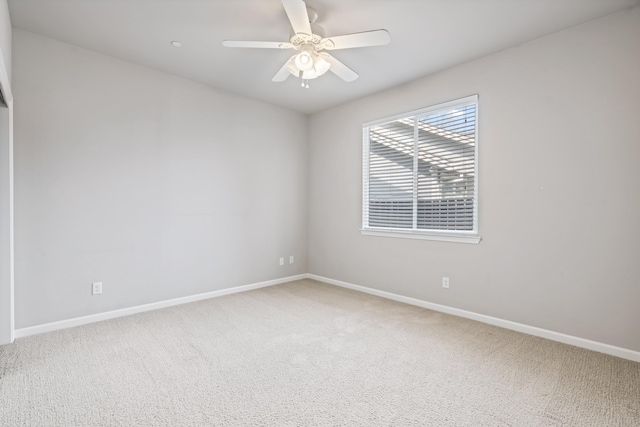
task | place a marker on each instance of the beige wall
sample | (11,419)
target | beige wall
(155,185)
(559,135)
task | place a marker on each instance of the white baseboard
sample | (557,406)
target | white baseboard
(507,324)
(92,318)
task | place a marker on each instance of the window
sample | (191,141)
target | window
(420,173)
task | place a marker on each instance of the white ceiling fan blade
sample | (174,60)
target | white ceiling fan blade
(284,72)
(260,45)
(339,69)
(298,16)
(348,41)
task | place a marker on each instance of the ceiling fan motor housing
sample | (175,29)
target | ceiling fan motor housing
(315,39)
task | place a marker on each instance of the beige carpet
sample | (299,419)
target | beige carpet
(308,354)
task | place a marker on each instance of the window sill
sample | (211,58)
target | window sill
(423,236)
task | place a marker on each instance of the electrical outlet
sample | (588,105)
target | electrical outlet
(96,288)
(281,260)
(445,282)
(291,259)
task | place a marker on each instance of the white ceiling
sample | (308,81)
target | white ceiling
(426,36)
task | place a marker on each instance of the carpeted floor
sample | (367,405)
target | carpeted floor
(308,354)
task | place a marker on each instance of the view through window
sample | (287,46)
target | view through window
(420,171)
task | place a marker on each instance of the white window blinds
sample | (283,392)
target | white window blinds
(420,171)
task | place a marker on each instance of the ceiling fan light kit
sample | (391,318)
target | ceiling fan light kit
(311,61)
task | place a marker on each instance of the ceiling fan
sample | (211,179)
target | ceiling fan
(312,60)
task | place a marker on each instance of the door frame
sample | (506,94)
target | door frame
(7,326)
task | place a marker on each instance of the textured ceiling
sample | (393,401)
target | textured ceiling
(426,36)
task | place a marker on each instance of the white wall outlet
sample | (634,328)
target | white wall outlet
(96,288)
(445,282)
(281,260)
(291,259)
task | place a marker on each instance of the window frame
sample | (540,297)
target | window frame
(458,236)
